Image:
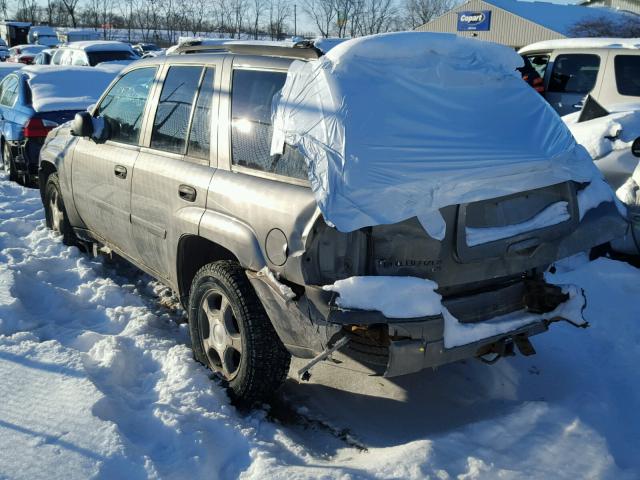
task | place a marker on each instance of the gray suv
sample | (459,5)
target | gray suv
(172,171)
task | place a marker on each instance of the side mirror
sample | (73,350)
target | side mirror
(635,147)
(82,125)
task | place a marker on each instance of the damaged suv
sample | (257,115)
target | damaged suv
(399,209)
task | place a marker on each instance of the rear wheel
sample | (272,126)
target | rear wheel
(55,213)
(232,334)
(7,162)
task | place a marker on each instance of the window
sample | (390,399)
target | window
(65,58)
(539,63)
(98,57)
(251,129)
(574,73)
(123,107)
(174,109)
(627,68)
(199,137)
(9,91)
(79,58)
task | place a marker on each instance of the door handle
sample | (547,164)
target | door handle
(187,193)
(120,171)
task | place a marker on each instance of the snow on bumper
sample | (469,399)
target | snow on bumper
(426,334)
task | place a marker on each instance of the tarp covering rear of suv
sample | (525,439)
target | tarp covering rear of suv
(399,125)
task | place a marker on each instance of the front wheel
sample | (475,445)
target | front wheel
(55,213)
(232,334)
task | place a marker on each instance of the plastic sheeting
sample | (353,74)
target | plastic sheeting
(399,125)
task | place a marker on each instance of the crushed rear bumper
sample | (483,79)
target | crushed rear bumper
(311,323)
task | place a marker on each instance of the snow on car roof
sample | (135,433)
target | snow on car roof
(55,88)
(9,67)
(101,46)
(559,18)
(633,43)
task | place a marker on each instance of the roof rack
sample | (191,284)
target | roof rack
(303,50)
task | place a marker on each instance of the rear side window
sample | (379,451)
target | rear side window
(199,137)
(98,57)
(627,68)
(251,129)
(174,109)
(574,73)
(9,91)
(123,107)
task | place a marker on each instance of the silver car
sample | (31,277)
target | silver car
(172,171)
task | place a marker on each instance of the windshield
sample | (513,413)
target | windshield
(99,57)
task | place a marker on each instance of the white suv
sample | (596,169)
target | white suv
(606,68)
(91,53)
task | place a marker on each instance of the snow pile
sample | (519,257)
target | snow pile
(601,136)
(552,215)
(97,380)
(55,88)
(406,115)
(597,192)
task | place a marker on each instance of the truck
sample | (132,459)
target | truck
(14,33)
(78,36)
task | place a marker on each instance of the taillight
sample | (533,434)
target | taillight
(37,127)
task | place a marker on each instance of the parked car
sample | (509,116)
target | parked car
(43,35)
(33,100)
(92,53)
(44,57)
(25,53)
(4,53)
(143,48)
(174,170)
(608,69)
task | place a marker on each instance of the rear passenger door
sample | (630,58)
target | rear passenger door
(573,76)
(172,174)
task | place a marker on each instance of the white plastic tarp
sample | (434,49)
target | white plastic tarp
(399,125)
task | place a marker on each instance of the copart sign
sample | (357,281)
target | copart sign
(480,20)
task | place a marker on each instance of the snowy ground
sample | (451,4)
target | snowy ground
(97,380)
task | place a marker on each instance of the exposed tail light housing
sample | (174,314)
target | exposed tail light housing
(38,127)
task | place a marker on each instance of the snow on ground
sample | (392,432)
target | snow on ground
(97,381)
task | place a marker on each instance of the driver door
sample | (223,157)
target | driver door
(102,172)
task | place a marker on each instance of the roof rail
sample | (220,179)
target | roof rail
(303,50)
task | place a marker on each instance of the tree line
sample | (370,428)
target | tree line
(163,21)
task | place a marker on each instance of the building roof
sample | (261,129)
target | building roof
(559,18)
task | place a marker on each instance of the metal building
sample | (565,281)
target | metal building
(515,23)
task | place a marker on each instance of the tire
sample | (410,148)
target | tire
(55,213)
(7,162)
(239,343)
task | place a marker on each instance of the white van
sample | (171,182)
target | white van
(606,68)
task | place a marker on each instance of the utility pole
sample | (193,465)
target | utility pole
(295,20)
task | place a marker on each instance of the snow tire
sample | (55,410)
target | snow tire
(264,362)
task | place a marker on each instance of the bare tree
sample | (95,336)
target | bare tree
(419,12)
(377,16)
(602,26)
(71,6)
(323,13)
(279,11)
(257,9)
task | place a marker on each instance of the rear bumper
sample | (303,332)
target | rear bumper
(392,347)
(27,155)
